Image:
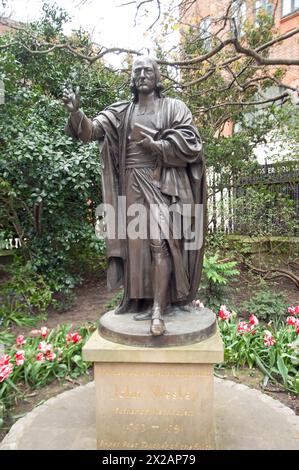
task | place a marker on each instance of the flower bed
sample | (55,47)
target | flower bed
(272,347)
(38,359)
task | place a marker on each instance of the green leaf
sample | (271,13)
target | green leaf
(262,367)
(282,369)
(10,382)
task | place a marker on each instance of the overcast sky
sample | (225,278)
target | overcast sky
(109,24)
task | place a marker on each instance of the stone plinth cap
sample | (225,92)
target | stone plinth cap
(209,351)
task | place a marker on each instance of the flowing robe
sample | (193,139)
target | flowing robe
(181,179)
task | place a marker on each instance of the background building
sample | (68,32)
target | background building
(277,170)
(286,18)
(7,24)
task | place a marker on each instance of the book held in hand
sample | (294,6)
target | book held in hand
(137,131)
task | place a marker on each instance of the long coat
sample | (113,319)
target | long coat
(181,177)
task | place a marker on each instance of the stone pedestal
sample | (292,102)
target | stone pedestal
(154,398)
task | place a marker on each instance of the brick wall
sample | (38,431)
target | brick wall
(289,48)
(3,28)
(7,24)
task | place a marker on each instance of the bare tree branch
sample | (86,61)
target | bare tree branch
(264,61)
(158,16)
(283,96)
(195,60)
(126,4)
(90,59)
(244,50)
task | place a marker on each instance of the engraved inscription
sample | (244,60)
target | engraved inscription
(125,392)
(179,394)
(151,412)
(159,407)
(143,427)
(112,373)
(105,444)
(156,392)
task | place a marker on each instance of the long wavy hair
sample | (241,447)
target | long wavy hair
(158,87)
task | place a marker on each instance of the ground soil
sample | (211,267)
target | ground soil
(248,284)
(91,302)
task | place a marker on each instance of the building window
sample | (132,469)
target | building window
(205,32)
(265,5)
(289,6)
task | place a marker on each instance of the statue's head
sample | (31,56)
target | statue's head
(145,77)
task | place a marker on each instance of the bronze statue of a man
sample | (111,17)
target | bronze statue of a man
(151,154)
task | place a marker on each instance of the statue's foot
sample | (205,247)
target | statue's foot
(157,323)
(143,316)
(157,327)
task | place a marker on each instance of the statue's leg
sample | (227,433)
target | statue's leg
(130,306)
(161,282)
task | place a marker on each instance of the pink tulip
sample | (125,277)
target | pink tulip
(20,358)
(20,340)
(4,360)
(5,371)
(292,321)
(73,337)
(253,321)
(268,339)
(50,356)
(40,357)
(293,310)
(44,347)
(243,327)
(224,313)
(44,331)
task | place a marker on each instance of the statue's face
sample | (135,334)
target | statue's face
(144,75)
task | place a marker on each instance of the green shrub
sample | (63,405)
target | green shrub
(115,301)
(25,297)
(50,184)
(267,305)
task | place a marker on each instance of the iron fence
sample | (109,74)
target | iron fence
(263,198)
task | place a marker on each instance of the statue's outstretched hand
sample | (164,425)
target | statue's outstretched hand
(71,99)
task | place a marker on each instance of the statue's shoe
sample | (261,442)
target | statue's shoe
(157,327)
(143,316)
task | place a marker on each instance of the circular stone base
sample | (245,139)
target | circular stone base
(264,425)
(186,325)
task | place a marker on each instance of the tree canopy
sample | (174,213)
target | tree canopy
(49,184)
